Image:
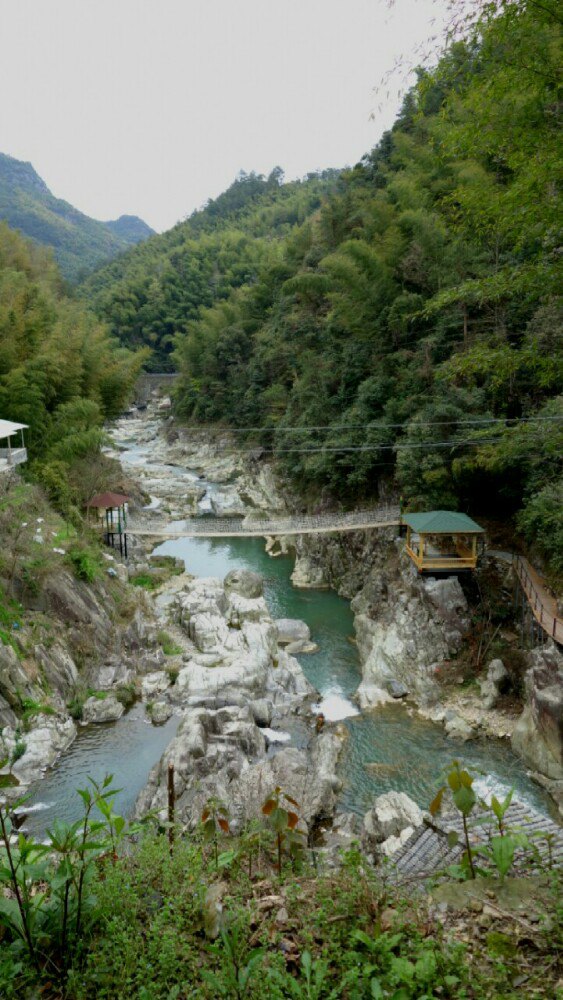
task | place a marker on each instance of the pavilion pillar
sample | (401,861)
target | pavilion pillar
(420,551)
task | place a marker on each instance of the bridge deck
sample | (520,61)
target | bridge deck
(313,524)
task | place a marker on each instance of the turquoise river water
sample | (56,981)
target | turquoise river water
(409,752)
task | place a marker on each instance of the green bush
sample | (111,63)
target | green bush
(86,563)
(19,750)
(76,707)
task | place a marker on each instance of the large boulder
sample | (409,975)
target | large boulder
(42,746)
(247,609)
(102,709)
(389,823)
(292,630)
(222,753)
(494,684)
(244,582)
(414,627)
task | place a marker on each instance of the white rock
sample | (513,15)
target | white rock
(102,709)
(292,630)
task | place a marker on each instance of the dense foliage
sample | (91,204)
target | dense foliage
(60,371)
(397,325)
(150,295)
(79,243)
(415,313)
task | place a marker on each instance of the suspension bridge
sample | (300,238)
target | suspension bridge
(301,524)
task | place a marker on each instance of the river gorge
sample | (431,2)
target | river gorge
(391,746)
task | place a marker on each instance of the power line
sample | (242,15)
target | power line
(507,421)
(377,447)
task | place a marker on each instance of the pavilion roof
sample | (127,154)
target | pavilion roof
(7,428)
(107,500)
(442,522)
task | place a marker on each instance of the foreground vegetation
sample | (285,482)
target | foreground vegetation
(109,910)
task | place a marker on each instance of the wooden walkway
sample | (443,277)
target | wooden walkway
(427,851)
(541,602)
(306,524)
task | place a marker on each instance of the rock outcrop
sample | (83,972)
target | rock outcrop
(389,823)
(407,635)
(538,735)
(222,753)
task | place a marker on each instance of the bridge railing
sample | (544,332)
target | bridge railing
(549,622)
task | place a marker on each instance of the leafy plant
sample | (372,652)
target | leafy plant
(215,820)
(238,963)
(465,799)
(86,563)
(51,902)
(283,822)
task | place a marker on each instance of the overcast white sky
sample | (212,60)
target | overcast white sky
(149,107)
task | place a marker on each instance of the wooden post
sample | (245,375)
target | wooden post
(171,805)
(474,549)
(420,551)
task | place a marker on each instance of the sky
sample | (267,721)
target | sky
(150,107)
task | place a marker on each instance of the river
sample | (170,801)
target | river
(409,753)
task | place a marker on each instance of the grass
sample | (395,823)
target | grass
(146,581)
(31,708)
(313,935)
(169,647)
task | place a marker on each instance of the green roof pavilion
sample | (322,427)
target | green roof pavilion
(442,540)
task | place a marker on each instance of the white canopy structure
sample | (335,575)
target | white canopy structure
(7,428)
(11,456)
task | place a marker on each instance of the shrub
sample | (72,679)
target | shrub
(76,707)
(85,562)
(19,750)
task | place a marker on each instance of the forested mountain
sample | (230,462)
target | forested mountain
(79,243)
(149,295)
(60,371)
(397,324)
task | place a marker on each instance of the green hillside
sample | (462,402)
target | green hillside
(149,295)
(395,326)
(60,373)
(79,243)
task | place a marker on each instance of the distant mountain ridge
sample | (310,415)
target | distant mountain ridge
(80,244)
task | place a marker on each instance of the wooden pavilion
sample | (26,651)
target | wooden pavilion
(442,540)
(111,509)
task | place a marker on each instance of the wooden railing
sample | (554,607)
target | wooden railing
(429,561)
(538,601)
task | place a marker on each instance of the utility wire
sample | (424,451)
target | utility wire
(375,447)
(508,421)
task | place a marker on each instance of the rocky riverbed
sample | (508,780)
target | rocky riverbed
(229,675)
(407,628)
